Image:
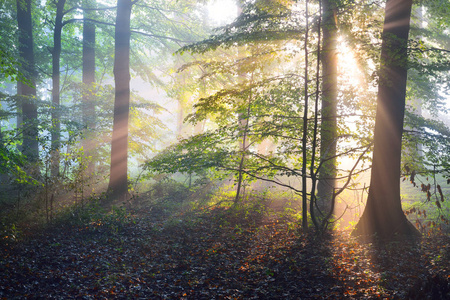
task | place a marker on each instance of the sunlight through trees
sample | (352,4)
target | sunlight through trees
(299,122)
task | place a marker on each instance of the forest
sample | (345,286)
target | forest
(224,149)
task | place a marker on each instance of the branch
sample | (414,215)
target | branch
(132,31)
(266,179)
(160,36)
(335,194)
(87,19)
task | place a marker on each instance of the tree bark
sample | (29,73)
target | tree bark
(313,200)
(88,81)
(383,214)
(56,115)
(243,129)
(305,128)
(118,183)
(328,129)
(30,146)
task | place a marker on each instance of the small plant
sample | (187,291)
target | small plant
(9,232)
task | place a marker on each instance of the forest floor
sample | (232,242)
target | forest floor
(216,253)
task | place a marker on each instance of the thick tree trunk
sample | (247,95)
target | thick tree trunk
(56,114)
(88,81)
(118,183)
(30,145)
(328,129)
(383,214)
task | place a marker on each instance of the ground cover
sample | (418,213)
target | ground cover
(216,253)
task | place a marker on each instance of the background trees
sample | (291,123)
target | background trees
(182,156)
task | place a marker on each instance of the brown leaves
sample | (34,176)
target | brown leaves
(210,257)
(440,192)
(412,177)
(425,188)
(438,204)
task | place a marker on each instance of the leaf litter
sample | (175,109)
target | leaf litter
(218,254)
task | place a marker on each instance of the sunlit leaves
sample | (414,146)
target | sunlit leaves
(260,22)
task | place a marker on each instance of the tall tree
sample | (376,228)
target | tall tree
(118,183)
(56,74)
(88,76)
(383,214)
(27,89)
(328,129)
(243,127)
(305,126)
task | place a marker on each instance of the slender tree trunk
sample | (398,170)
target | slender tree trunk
(243,124)
(29,118)
(182,105)
(180,117)
(118,183)
(328,129)
(313,200)
(383,214)
(305,129)
(243,127)
(3,175)
(88,82)
(56,114)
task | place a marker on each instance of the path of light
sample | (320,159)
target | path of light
(348,65)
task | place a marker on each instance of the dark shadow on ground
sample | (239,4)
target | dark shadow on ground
(214,253)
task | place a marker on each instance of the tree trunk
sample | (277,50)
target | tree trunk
(118,183)
(30,145)
(88,82)
(383,214)
(56,114)
(313,200)
(305,128)
(243,128)
(328,129)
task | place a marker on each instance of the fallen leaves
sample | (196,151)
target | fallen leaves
(216,254)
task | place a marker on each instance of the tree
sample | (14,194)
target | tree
(88,76)
(328,128)
(383,214)
(277,109)
(164,31)
(27,88)
(243,123)
(118,182)
(56,74)
(305,126)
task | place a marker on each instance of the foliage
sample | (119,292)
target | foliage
(431,208)
(257,84)
(9,62)
(12,161)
